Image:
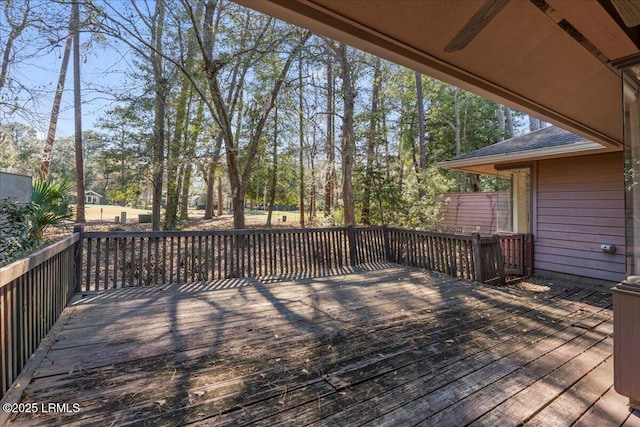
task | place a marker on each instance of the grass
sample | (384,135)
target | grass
(109,212)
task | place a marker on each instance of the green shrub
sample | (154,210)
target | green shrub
(15,230)
(22,225)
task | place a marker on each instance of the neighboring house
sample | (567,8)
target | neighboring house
(566,193)
(90,197)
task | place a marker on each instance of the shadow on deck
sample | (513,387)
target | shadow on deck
(390,346)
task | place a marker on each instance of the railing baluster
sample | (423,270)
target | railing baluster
(123,266)
(115,242)
(98,263)
(249,251)
(107,251)
(88,265)
(163,267)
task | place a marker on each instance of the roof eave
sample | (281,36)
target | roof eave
(485,165)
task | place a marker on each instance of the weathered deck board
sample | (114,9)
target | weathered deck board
(575,401)
(610,409)
(393,346)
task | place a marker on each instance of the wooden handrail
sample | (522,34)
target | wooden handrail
(18,268)
(33,293)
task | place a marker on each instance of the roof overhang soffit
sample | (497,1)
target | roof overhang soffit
(524,56)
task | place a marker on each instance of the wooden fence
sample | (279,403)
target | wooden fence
(33,293)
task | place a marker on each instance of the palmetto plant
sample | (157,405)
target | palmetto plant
(50,200)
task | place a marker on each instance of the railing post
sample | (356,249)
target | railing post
(528,253)
(499,261)
(477,256)
(351,236)
(387,246)
(77,257)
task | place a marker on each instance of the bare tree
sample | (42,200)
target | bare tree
(17,27)
(238,177)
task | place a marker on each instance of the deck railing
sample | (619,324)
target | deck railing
(33,293)
(469,256)
(517,250)
(35,290)
(119,259)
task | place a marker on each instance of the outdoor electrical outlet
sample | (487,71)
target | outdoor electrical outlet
(608,248)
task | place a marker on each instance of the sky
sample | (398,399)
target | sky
(101,69)
(102,66)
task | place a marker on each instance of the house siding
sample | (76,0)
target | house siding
(468,211)
(580,206)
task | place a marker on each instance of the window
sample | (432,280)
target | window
(514,205)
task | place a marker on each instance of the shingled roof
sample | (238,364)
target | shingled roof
(548,142)
(551,136)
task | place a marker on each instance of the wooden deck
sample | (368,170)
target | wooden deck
(393,346)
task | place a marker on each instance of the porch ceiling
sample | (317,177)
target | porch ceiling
(548,58)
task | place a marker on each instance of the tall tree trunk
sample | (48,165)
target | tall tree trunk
(509,119)
(77,113)
(190,142)
(400,169)
(501,122)
(534,123)
(160,89)
(301,128)
(174,153)
(421,136)
(210,172)
(348,135)
(178,145)
(456,126)
(274,173)
(55,109)
(330,173)
(220,198)
(312,168)
(372,138)
(186,184)
(210,179)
